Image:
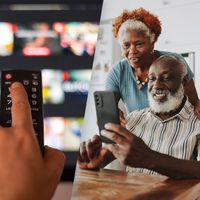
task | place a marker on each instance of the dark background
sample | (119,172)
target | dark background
(69,10)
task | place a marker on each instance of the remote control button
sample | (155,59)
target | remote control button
(34,96)
(26,82)
(35,109)
(8,82)
(35,76)
(33,102)
(9,101)
(35,123)
(8,108)
(8,122)
(36,126)
(33,89)
(35,82)
(8,76)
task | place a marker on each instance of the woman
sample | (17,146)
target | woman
(137,31)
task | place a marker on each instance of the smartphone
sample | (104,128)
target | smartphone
(106,103)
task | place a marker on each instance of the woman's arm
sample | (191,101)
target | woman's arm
(112,79)
(191,93)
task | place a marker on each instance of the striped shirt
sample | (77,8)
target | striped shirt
(177,136)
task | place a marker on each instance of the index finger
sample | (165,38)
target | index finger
(118,129)
(21,112)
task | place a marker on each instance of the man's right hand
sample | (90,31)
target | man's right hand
(92,154)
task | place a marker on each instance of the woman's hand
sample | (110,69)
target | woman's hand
(197,109)
(122,118)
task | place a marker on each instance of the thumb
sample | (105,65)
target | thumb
(98,161)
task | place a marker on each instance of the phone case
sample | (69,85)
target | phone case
(106,103)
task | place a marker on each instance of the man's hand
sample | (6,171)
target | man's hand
(128,149)
(24,173)
(91,154)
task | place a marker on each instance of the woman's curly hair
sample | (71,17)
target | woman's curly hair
(140,14)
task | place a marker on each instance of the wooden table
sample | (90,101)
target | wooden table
(114,185)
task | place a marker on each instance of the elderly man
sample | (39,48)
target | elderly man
(160,139)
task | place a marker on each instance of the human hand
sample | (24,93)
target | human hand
(128,149)
(92,154)
(24,173)
(197,109)
(122,118)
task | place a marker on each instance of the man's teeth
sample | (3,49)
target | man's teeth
(159,95)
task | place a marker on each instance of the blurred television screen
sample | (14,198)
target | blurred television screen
(36,39)
(61,86)
(6,39)
(79,38)
(46,39)
(63,133)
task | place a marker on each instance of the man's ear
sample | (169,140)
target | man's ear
(185,80)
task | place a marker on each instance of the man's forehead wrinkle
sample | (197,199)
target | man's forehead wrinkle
(163,68)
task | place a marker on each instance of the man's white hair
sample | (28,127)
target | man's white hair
(132,24)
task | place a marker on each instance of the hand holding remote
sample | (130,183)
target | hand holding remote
(24,173)
(32,82)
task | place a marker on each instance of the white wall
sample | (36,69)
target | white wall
(180,24)
(180,33)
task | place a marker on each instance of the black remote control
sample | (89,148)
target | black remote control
(32,81)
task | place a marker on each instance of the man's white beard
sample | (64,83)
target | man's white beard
(171,104)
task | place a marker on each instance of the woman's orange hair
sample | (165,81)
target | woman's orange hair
(140,14)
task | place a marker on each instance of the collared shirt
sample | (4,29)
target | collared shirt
(177,136)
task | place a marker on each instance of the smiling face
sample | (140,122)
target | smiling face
(136,47)
(165,85)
